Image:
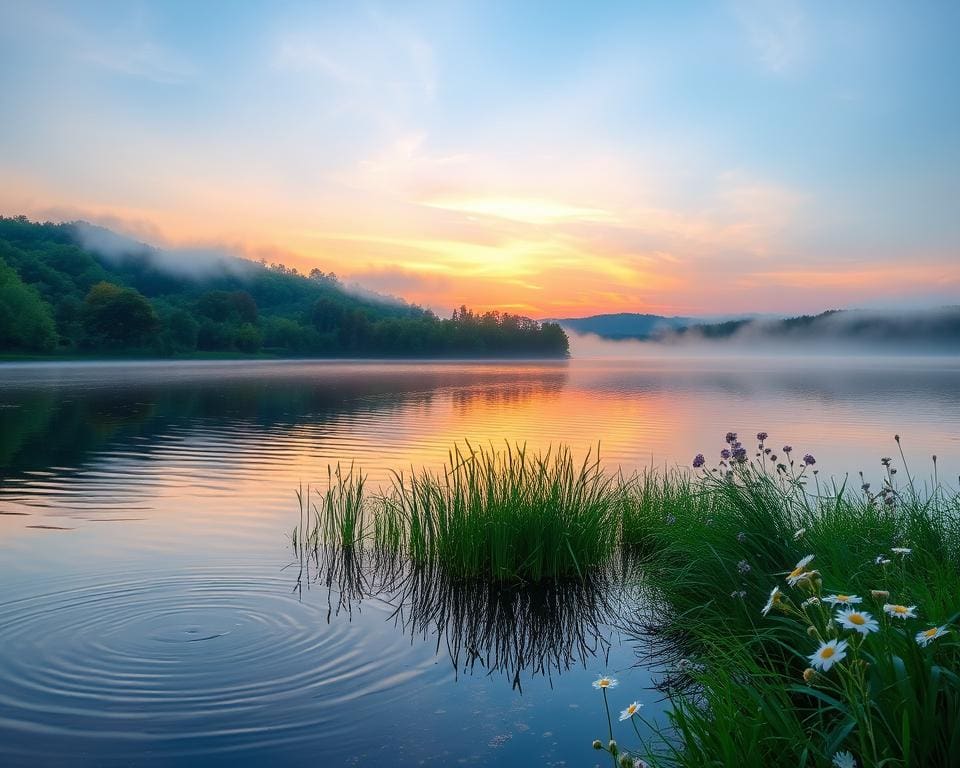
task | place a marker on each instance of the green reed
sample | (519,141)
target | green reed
(340,518)
(507,515)
(504,515)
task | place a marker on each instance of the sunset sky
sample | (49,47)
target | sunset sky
(550,158)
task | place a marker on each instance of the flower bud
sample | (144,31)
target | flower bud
(612,746)
(808,674)
(626,761)
(597,744)
(879,594)
(812,631)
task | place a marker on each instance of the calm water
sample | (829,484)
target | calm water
(152,611)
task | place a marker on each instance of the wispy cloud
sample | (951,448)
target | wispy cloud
(776,31)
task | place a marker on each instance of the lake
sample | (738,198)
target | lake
(154,611)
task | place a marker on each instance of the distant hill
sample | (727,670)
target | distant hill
(76,289)
(915,330)
(625,325)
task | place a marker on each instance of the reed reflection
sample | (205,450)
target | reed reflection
(513,630)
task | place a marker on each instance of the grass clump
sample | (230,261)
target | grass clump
(504,515)
(507,515)
(778,602)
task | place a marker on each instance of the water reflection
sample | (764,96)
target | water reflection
(55,417)
(516,631)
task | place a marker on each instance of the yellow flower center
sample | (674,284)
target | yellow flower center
(631,709)
(827,652)
(930,632)
(604,683)
(795,572)
(899,609)
(842,598)
(857,618)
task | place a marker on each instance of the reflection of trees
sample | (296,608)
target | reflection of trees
(65,417)
(523,629)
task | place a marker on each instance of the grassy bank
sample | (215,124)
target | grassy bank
(803,625)
(796,622)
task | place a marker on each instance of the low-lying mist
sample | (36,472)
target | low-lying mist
(851,332)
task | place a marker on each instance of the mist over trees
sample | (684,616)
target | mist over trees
(59,294)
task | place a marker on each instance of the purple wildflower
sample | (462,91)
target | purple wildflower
(787,448)
(731,437)
(698,461)
(761,436)
(809,460)
(724,454)
(741,537)
(743,567)
(740,454)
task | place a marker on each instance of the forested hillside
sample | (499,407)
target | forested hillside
(61,295)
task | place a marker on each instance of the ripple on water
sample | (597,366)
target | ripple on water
(197,663)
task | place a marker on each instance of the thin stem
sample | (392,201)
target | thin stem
(606,706)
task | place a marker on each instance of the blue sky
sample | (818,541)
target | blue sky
(547,157)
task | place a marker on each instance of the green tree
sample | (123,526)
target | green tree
(118,317)
(248,338)
(182,330)
(26,321)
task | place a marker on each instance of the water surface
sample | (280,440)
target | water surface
(154,613)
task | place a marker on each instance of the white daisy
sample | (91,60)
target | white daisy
(773,601)
(799,534)
(800,571)
(844,760)
(605,682)
(842,599)
(829,654)
(858,621)
(900,611)
(929,635)
(630,711)
(881,560)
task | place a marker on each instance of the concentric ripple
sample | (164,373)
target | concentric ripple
(195,663)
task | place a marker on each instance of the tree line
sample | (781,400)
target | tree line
(59,296)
